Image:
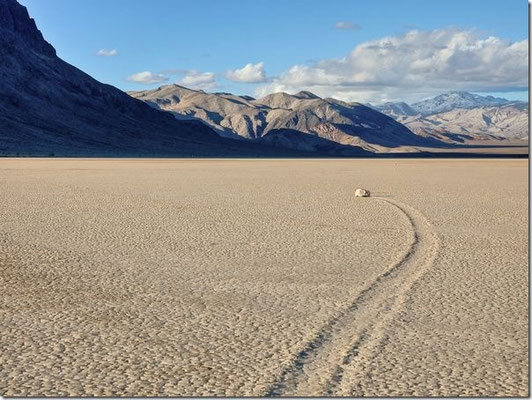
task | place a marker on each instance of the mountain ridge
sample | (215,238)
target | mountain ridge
(442,103)
(348,124)
(462,117)
(456,99)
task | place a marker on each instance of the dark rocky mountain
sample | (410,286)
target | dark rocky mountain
(47,106)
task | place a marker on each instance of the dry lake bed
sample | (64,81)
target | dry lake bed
(263,277)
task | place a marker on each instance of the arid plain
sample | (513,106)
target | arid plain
(263,277)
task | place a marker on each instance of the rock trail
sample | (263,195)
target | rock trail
(350,339)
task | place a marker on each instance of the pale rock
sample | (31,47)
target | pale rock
(362,193)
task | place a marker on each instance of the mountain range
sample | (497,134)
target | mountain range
(462,117)
(49,107)
(451,118)
(300,121)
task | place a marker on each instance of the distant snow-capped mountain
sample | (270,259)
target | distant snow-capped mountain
(509,121)
(454,100)
(462,116)
(441,103)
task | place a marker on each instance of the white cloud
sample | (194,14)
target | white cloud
(410,66)
(147,77)
(250,73)
(107,52)
(199,80)
(346,25)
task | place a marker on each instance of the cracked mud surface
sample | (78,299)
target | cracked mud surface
(263,277)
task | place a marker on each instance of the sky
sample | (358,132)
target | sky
(367,51)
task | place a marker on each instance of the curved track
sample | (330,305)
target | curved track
(350,339)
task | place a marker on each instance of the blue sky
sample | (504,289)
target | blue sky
(301,44)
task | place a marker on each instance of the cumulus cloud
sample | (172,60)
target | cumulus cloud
(413,65)
(199,80)
(147,78)
(346,26)
(107,52)
(250,73)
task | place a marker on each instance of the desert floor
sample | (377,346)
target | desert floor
(263,277)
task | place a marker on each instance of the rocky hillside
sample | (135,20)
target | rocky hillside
(299,118)
(47,106)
